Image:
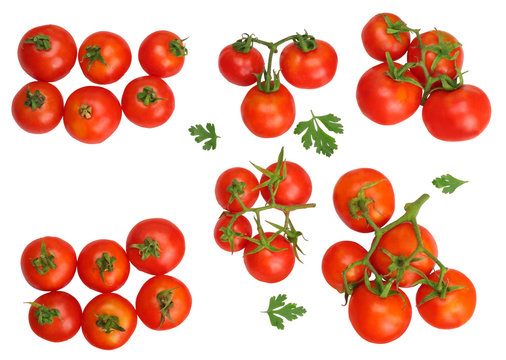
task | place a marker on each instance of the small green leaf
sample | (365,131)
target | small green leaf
(314,134)
(278,310)
(448,183)
(202,134)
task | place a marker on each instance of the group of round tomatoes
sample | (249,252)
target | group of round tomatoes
(154,246)
(92,113)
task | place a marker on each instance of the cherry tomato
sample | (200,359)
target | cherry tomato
(162,54)
(239,68)
(38,107)
(377,41)
(241,175)
(241,226)
(47,53)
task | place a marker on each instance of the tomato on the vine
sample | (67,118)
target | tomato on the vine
(225,181)
(238,67)
(377,41)
(162,54)
(241,226)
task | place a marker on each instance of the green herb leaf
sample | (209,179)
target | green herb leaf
(314,134)
(202,134)
(448,183)
(288,311)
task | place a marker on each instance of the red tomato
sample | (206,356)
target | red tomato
(457,115)
(157,54)
(47,53)
(308,70)
(270,266)
(104,57)
(241,226)
(48,263)
(382,193)
(148,101)
(241,175)
(37,107)
(155,246)
(268,115)
(108,321)
(55,316)
(91,114)
(379,320)
(455,309)
(384,100)
(163,302)
(377,41)
(103,266)
(239,68)
(295,189)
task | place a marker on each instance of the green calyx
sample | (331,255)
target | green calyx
(177,47)
(45,261)
(270,83)
(360,203)
(42,42)
(35,100)
(148,96)
(442,50)
(105,263)
(398,74)
(165,303)
(244,44)
(93,54)
(108,323)
(149,248)
(85,111)
(273,178)
(228,236)
(236,189)
(305,42)
(44,314)
(395,28)
(264,242)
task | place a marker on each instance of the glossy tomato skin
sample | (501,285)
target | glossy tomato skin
(64,259)
(268,115)
(249,197)
(48,65)
(44,118)
(384,100)
(453,311)
(105,114)
(170,241)
(155,56)
(148,307)
(58,330)
(347,188)
(457,115)
(112,305)
(377,41)
(241,225)
(116,53)
(308,70)
(239,68)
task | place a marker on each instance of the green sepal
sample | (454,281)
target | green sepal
(361,203)
(105,263)
(177,47)
(244,44)
(44,314)
(42,42)
(108,323)
(45,261)
(442,50)
(271,83)
(236,190)
(273,178)
(35,100)
(165,303)
(93,54)
(305,42)
(149,248)
(148,96)
(398,74)
(395,28)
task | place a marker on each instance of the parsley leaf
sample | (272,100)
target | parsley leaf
(323,142)
(288,311)
(203,134)
(448,183)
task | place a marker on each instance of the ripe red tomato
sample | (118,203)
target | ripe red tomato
(308,70)
(155,246)
(455,309)
(104,57)
(270,266)
(241,226)
(457,115)
(295,189)
(103,266)
(163,302)
(108,321)
(157,54)
(148,101)
(268,115)
(47,53)
(382,193)
(239,68)
(91,114)
(379,320)
(55,316)
(241,175)
(384,100)
(37,107)
(377,41)
(48,263)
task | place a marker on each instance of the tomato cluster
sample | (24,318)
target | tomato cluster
(154,246)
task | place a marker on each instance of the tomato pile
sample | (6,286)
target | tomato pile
(389,93)
(92,113)
(403,254)
(154,246)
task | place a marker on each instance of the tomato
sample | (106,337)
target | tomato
(47,53)
(91,114)
(384,100)
(103,266)
(268,115)
(241,226)
(270,266)
(457,115)
(148,101)
(241,175)
(55,316)
(308,70)
(48,263)
(295,189)
(38,107)
(337,258)
(379,320)
(163,302)
(239,68)
(104,57)
(455,309)
(401,241)
(377,41)
(380,210)
(108,321)
(155,246)
(158,54)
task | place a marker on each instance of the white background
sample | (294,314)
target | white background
(53,185)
